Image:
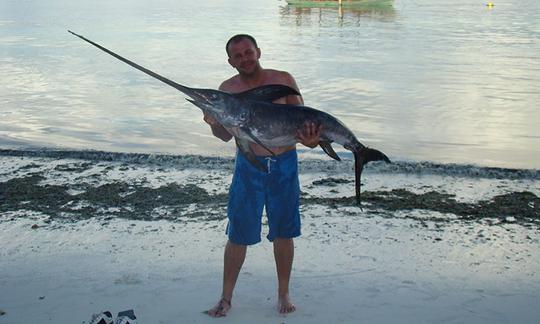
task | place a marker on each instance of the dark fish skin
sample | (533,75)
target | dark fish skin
(273,125)
(252,117)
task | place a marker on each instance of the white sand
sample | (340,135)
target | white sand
(347,270)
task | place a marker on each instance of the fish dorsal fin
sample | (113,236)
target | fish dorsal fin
(267,93)
(328,149)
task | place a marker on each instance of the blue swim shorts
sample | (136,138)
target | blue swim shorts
(252,189)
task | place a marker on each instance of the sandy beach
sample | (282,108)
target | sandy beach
(375,265)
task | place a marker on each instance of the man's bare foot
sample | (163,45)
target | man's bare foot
(284,305)
(221,308)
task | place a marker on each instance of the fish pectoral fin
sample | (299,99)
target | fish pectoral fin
(267,93)
(248,132)
(328,149)
(243,146)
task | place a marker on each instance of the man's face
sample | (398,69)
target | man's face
(244,56)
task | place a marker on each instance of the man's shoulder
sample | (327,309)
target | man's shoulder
(280,77)
(284,78)
(271,76)
(230,85)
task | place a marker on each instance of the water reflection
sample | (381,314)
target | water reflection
(342,16)
(452,83)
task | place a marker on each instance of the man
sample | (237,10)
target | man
(251,189)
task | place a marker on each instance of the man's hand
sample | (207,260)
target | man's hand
(310,134)
(218,130)
(210,120)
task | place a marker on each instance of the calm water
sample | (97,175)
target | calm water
(443,81)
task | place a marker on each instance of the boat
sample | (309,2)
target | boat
(340,3)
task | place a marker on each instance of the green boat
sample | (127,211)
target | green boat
(342,3)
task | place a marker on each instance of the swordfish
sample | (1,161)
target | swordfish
(251,116)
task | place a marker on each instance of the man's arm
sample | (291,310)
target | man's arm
(310,134)
(292,99)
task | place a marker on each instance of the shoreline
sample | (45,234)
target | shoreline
(76,189)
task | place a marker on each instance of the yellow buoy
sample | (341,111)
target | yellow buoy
(490,4)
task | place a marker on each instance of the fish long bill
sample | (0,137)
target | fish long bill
(186,90)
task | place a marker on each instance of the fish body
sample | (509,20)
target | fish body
(251,116)
(274,125)
(277,124)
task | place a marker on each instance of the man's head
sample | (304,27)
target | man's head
(237,38)
(243,53)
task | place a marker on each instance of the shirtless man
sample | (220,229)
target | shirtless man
(252,189)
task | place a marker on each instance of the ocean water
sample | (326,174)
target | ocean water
(424,81)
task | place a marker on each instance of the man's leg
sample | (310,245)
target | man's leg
(232,263)
(284,255)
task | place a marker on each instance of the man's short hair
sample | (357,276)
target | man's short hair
(237,38)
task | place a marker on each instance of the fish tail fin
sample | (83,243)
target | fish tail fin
(362,157)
